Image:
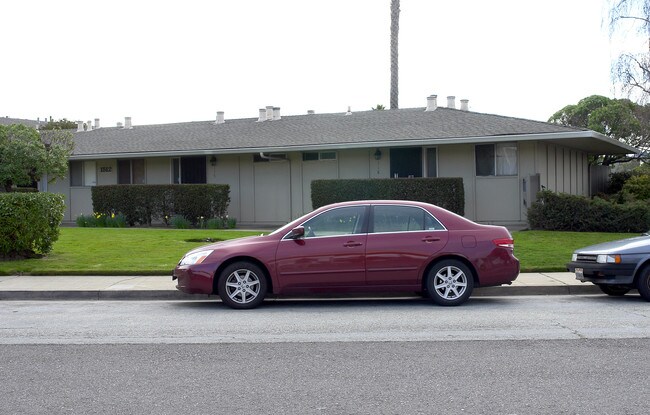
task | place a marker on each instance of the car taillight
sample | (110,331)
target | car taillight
(505,243)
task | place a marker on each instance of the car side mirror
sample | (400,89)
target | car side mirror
(296,233)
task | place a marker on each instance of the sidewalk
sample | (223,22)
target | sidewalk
(163,288)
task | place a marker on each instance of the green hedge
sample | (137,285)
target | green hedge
(446,192)
(142,203)
(29,223)
(563,212)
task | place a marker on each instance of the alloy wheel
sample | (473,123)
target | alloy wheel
(450,282)
(242,286)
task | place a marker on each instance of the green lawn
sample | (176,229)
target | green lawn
(115,251)
(137,251)
(550,251)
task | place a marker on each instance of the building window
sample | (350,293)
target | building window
(319,155)
(76,173)
(189,170)
(406,162)
(432,162)
(83,173)
(194,170)
(130,171)
(90,173)
(496,159)
(176,171)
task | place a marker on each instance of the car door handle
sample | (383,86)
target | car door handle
(352,244)
(429,239)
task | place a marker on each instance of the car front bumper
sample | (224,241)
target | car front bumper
(618,274)
(192,280)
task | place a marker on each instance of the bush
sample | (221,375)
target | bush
(142,204)
(617,181)
(116,221)
(638,186)
(445,192)
(221,223)
(83,221)
(29,223)
(180,222)
(563,212)
(100,220)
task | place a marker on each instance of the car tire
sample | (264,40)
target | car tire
(614,290)
(643,283)
(242,285)
(450,283)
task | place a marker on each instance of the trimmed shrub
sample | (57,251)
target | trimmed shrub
(29,223)
(563,212)
(446,192)
(142,204)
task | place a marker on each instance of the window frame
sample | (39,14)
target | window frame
(496,169)
(320,156)
(360,227)
(131,171)
(371,221)
(82,173)
(425,161)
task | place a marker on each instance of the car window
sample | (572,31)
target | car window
(402,219)
(339,221)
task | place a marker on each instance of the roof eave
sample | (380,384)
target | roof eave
(580,140)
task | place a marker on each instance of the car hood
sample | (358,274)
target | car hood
(230,242)
(636,245)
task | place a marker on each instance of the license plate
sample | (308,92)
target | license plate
(580,274)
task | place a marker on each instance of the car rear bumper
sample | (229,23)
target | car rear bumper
(618,274)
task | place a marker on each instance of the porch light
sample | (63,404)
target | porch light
(213,161)
(377,155)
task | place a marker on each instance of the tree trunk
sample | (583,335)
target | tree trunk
(394,31)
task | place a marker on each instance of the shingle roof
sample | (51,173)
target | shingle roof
(29,123)
(407,126)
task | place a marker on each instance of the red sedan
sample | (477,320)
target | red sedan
(363,247)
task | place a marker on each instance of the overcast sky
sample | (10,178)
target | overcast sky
(173,61)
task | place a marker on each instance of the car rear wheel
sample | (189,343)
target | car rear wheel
(614,290)
(450,283)
(242,285)
(643,283)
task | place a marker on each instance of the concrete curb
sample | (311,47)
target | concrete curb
(586,289)
(148,295)
(139,295)
(27,288)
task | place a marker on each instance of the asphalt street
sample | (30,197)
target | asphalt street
(506,355)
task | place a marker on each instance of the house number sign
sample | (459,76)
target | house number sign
(106,169)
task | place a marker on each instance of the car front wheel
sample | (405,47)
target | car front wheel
(643,283)
(242,285)
(614,290)
(450,282)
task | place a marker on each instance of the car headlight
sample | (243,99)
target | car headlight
(195,257)
(574,257)
(608,259)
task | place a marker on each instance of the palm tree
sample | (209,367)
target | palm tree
(394,30)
